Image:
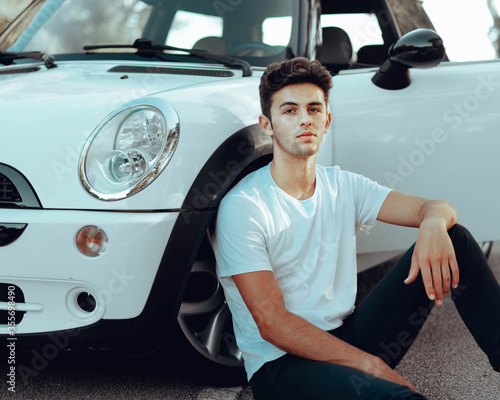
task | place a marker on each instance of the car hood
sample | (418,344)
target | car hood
(47,115)
(107,83)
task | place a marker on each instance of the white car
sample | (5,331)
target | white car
(124,123)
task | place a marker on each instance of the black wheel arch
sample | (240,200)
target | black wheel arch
(243,152)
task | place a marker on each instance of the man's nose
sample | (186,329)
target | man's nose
(304,118)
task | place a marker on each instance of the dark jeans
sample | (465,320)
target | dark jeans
(385,325)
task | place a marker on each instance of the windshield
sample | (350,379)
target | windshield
(259,31)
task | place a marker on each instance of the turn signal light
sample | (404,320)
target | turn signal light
(92,241)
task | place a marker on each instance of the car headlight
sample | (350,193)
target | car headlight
(128,150)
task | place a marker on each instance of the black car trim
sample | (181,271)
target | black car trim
(9,233)
(172,71)
(223,168)
(28,196)
(22,70)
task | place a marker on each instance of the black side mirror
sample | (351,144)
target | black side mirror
(421,48)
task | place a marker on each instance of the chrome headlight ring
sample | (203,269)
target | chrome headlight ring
(129,150)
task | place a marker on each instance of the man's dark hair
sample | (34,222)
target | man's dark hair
(290,72)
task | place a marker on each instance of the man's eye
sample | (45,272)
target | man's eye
(289,111)
(314,110)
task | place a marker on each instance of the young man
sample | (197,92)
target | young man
(285,248)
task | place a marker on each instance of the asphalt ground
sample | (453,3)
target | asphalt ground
(444,363)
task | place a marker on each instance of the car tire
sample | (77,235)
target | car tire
(205,345)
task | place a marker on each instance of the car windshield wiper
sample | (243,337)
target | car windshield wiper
(7,58)
(146,47)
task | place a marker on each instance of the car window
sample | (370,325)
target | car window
(363,29)
(184,31)
(276,31)
(9,10)
(66,26)
(259,31)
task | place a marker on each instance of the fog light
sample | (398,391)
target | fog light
(92,241)
(86,302)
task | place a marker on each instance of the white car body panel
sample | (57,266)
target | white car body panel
(120,279)
(452,155)
(215,102)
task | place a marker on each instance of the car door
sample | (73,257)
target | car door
(436,138)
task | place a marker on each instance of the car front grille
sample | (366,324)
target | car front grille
(15,190)
(8,191)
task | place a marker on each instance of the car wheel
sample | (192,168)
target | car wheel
(206,342)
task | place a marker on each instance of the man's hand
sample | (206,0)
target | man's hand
(434,257)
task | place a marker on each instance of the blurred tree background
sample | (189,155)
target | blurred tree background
(92,22)
(10,9)
(84,22)
(495,29)
(410,15)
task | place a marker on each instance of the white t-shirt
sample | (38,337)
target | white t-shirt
(310,245)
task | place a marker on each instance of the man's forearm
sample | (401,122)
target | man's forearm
(297,336)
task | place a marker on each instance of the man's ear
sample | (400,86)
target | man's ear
(265,125)
(328,120)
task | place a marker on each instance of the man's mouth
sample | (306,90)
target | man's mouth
(306,134)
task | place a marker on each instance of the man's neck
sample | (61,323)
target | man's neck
(297,177)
